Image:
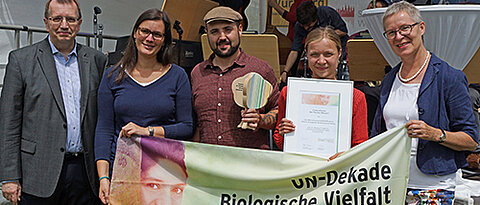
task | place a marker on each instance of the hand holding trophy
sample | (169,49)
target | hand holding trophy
(251,91)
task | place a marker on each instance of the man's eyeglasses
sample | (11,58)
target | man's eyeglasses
(403,30)
(145,32)
(58,19)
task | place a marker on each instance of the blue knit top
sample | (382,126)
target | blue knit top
(166,102)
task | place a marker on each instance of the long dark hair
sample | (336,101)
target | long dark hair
(130,57)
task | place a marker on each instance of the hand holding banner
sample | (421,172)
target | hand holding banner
(374,172)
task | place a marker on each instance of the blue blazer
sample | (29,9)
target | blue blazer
(443,102)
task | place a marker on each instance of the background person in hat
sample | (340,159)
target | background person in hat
(217,114)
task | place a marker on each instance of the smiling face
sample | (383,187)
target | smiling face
(224,38)
(62,32)
(404,45)
(149,37)
(323,58)
(160,186)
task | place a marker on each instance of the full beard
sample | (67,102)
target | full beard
(230,51)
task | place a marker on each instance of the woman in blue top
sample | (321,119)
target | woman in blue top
(430,99)
(144,94)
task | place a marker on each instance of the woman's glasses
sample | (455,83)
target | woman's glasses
(145,32)
(403,30)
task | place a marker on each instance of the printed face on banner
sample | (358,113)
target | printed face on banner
(163,183)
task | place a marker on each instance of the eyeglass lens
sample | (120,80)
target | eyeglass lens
(146,32)
(59,19)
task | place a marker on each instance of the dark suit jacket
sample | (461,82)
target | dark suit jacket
(33,126)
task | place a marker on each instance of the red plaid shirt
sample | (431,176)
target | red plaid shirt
(217,113)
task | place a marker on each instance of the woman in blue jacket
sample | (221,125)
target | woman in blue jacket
(432,99)
(144,95)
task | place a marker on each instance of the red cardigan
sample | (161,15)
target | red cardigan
(359,118)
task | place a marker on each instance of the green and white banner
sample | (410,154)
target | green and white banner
(160,171)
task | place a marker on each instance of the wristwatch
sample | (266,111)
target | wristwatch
(150,131)
(443,137)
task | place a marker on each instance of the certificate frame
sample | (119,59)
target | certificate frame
(321,111)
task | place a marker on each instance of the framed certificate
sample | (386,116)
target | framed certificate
(321,110)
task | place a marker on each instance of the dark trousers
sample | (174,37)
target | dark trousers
(72,187)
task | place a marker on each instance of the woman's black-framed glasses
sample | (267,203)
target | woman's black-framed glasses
(145,32)
(403,30)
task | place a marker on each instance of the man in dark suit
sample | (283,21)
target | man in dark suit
(48,110)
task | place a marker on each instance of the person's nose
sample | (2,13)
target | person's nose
(223,35)
(165,199)
(150,37)
(398,35)
(64,23)
(321,60)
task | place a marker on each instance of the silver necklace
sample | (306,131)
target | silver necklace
(416,74)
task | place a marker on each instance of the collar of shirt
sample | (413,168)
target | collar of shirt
(56,52)
(240,62)
(70,86)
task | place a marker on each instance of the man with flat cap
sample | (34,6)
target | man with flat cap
(217,114)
